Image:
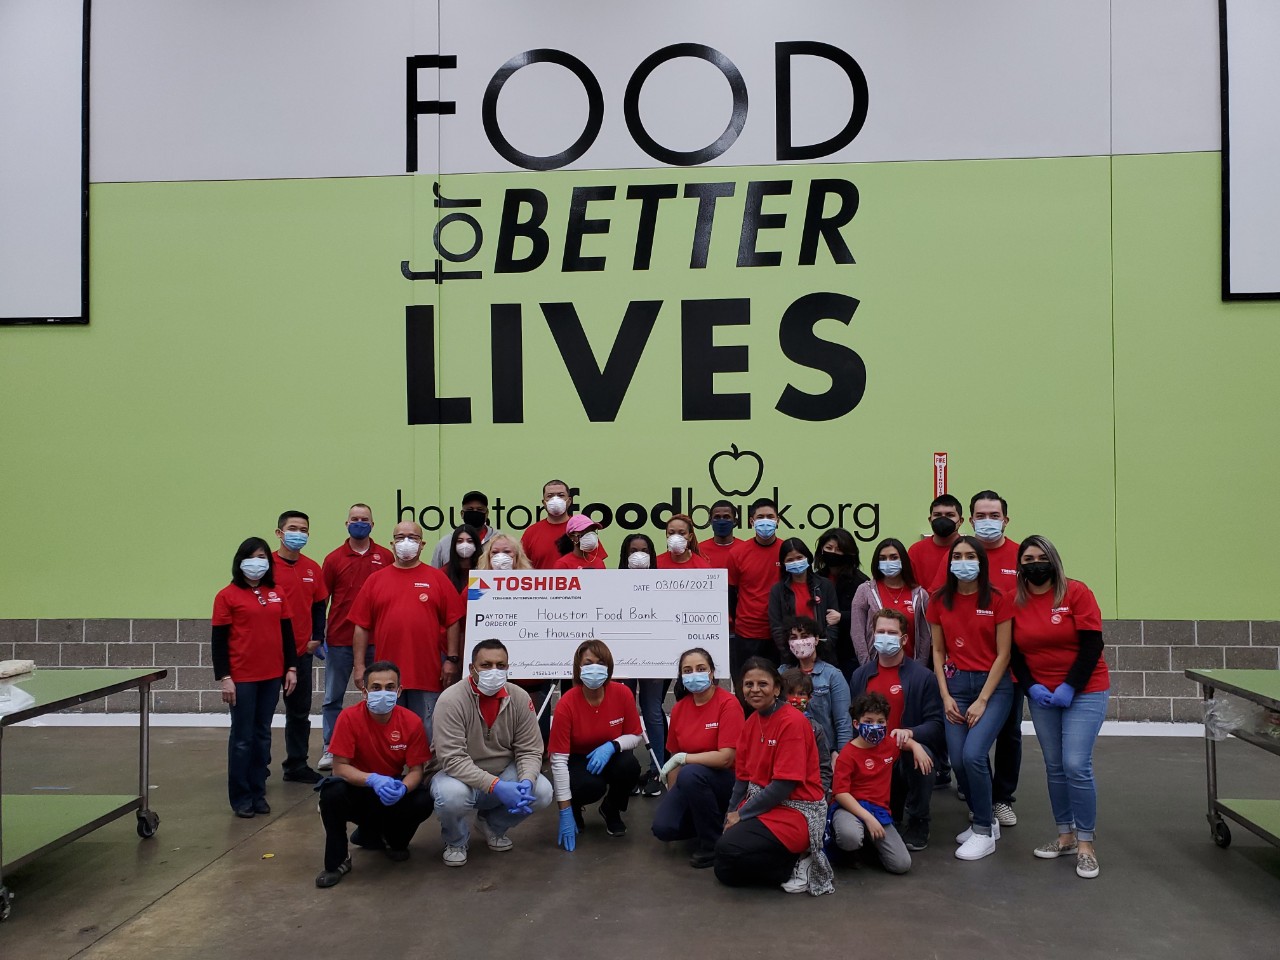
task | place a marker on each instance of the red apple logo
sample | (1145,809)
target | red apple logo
(724,466)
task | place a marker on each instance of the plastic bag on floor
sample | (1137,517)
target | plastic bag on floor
(13,698)
(1225,714)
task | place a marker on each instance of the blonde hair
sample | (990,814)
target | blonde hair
(521,561)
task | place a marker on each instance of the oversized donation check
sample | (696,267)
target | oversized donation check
(646,617)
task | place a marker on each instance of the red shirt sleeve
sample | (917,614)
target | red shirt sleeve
(343,741)
(562,726)
(842,779)
(731,721)
(1084,606)
(362,608)
(221,610)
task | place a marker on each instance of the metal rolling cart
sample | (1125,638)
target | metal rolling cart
(31,825)
(1260,816)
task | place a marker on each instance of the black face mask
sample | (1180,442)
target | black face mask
(835,559)
(943,526)
(474,518)
(1038,572)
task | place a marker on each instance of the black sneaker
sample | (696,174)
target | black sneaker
(941,780)
(399,856)
(331,878)
(244,813)
(613,824)
(702,858)
(366,843)
(652,786)
(261,806)
(303,774)
(916,836)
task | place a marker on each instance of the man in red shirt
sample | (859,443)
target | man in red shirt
(930,558)
(413,615)
(380,751)
(724,520)
(989,514)
(539,539)
(298,577)
(753,570)
(345,571)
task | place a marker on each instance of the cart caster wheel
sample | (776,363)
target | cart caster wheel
(148,824)
(1222,834)
(6,903)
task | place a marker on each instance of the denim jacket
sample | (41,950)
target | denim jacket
(829,705)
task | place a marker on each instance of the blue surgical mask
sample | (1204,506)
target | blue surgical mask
(873,733)
(989,530)
(966,570)
(295,540)
(722,528)
(765,527)
(593,675)
(797,566)
(381,701)
(887,644)
(255,568)
(695,682)
(359,529)
(890,568)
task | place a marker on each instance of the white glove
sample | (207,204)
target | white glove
(677,760)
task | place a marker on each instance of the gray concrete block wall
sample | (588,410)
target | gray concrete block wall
(1147,660)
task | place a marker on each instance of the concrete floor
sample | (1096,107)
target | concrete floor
(204,886)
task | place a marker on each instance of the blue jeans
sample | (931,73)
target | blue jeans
(969,747)
(695,806)
(1066,740)
(423,703)
(337,675)
(455,802)
(249,743)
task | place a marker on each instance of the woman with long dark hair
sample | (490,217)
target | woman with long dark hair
(838,559)
(800,592)
(893,587)
(464,544)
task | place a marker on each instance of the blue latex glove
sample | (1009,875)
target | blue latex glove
(568,837)
(1040,695)
(509,795)
(1063,696)
(598,758)
(396,791)
(383,786)
(321,650)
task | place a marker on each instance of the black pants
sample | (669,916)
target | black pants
(695,806)
(749,855)
(297,717)
(742,649)
(341,803)
(614,782)
(1008,762)
(911,791)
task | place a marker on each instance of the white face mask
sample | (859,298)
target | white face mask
(490,682)
(255,568)
(466,549)
(556,506)
(501,561)
(588,542)
(677,543)
(638,560)
(407,550)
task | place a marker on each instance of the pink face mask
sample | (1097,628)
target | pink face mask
(803,647)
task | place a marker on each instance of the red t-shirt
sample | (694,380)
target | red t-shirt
(303,585)
(1002,567)
(803,599)
(717,554)
(901,600)
(344,573)
(579,728)
(753,569)
(570,562)
(701,729)
(930,563)
(385,748)
(692,562)
(539,542)
(866,773)
(1046,635)
(970,633)
(888,684)
(781,747)
(407,612)
(256,648)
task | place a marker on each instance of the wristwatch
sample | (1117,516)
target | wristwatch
(453,659)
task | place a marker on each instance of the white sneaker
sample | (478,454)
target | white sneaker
(326,761)
(1004,815)
(455,856)
(799,881)
(964,837)
(976,847)
(498,844)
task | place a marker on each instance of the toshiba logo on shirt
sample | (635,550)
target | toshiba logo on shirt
(985,613)
(771,743)
(399,746)
(615,723)
(273,597)
(713,725)
(426,585)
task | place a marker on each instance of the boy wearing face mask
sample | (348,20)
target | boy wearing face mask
(914,719)
(488,753)
(929,557)
(539,539)
(379,750)
(475,513)
(301,581)
(864,771)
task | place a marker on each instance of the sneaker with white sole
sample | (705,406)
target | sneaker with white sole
(976,847)
(1086,865)
(964,837)
(1054,849)
(497,843)
(455,856)
(799,881)
(1004,814)
(326,761)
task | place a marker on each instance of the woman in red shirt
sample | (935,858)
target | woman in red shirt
(703,738)
(777,815)
(1058,656)
(253,654)
(596,728)
(582,544)
(682,546)
(971,626)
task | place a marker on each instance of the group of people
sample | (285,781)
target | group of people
(858,692)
